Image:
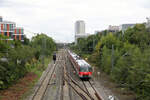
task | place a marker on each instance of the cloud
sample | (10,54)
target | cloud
(3,3)
(145,4)
(57,17)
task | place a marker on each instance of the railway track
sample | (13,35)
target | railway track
(68,69)
(90,88)
(67,91)
(88,92)
(69,88)
(43,86)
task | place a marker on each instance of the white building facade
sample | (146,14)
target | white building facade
(148,22)
(80,27)
(113,28)
(80,30)
(124,27)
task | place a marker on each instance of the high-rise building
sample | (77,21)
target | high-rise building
(80,27)
(9,29)
(80,30)
(148,22)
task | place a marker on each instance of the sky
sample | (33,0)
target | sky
(56,18)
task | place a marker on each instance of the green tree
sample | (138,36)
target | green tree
(138,35)
(43,43)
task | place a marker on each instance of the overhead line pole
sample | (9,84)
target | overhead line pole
(112,58)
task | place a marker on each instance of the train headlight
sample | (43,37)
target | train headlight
(90,74)
(80,74)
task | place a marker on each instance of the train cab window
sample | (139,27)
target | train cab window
(90,69)
(77,57)
(84,69)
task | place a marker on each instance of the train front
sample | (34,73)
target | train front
(85,70)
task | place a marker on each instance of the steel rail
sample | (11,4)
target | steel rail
(74,82)
(62,84)
(96,94)
(54,66)
(70,92)
(68,80)
(56,63)
(87,91)
(81,95)
(85,87)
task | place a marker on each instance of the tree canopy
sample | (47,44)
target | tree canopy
(125,57)
(14,56)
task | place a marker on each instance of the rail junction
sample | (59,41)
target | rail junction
(60,82)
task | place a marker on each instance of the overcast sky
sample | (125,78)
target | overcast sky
(56,18)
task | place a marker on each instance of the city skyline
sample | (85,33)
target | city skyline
(57,19)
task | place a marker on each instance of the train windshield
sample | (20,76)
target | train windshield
(84,69)
(90,69)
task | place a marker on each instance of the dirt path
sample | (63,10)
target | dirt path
(16,91)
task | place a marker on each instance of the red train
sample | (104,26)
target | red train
(83,69)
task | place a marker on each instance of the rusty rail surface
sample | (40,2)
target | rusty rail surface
(44,79)
(96,93)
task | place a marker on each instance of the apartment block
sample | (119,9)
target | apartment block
(9,29)
(113,28)
(124,27)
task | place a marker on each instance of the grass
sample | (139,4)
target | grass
(29,88)
(38,69)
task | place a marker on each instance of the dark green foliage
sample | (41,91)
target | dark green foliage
(86,45)
(26,41)
(138,35)
(14,56)
(129,63)
(43,43)
(131,59)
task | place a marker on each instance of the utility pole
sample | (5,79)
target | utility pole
(43,51)
(122,33)
(112,58)
(94,42)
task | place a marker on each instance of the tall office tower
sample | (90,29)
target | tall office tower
(80,30)
(80,27)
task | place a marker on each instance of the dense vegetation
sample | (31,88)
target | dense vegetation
(16,57)
(125,57)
